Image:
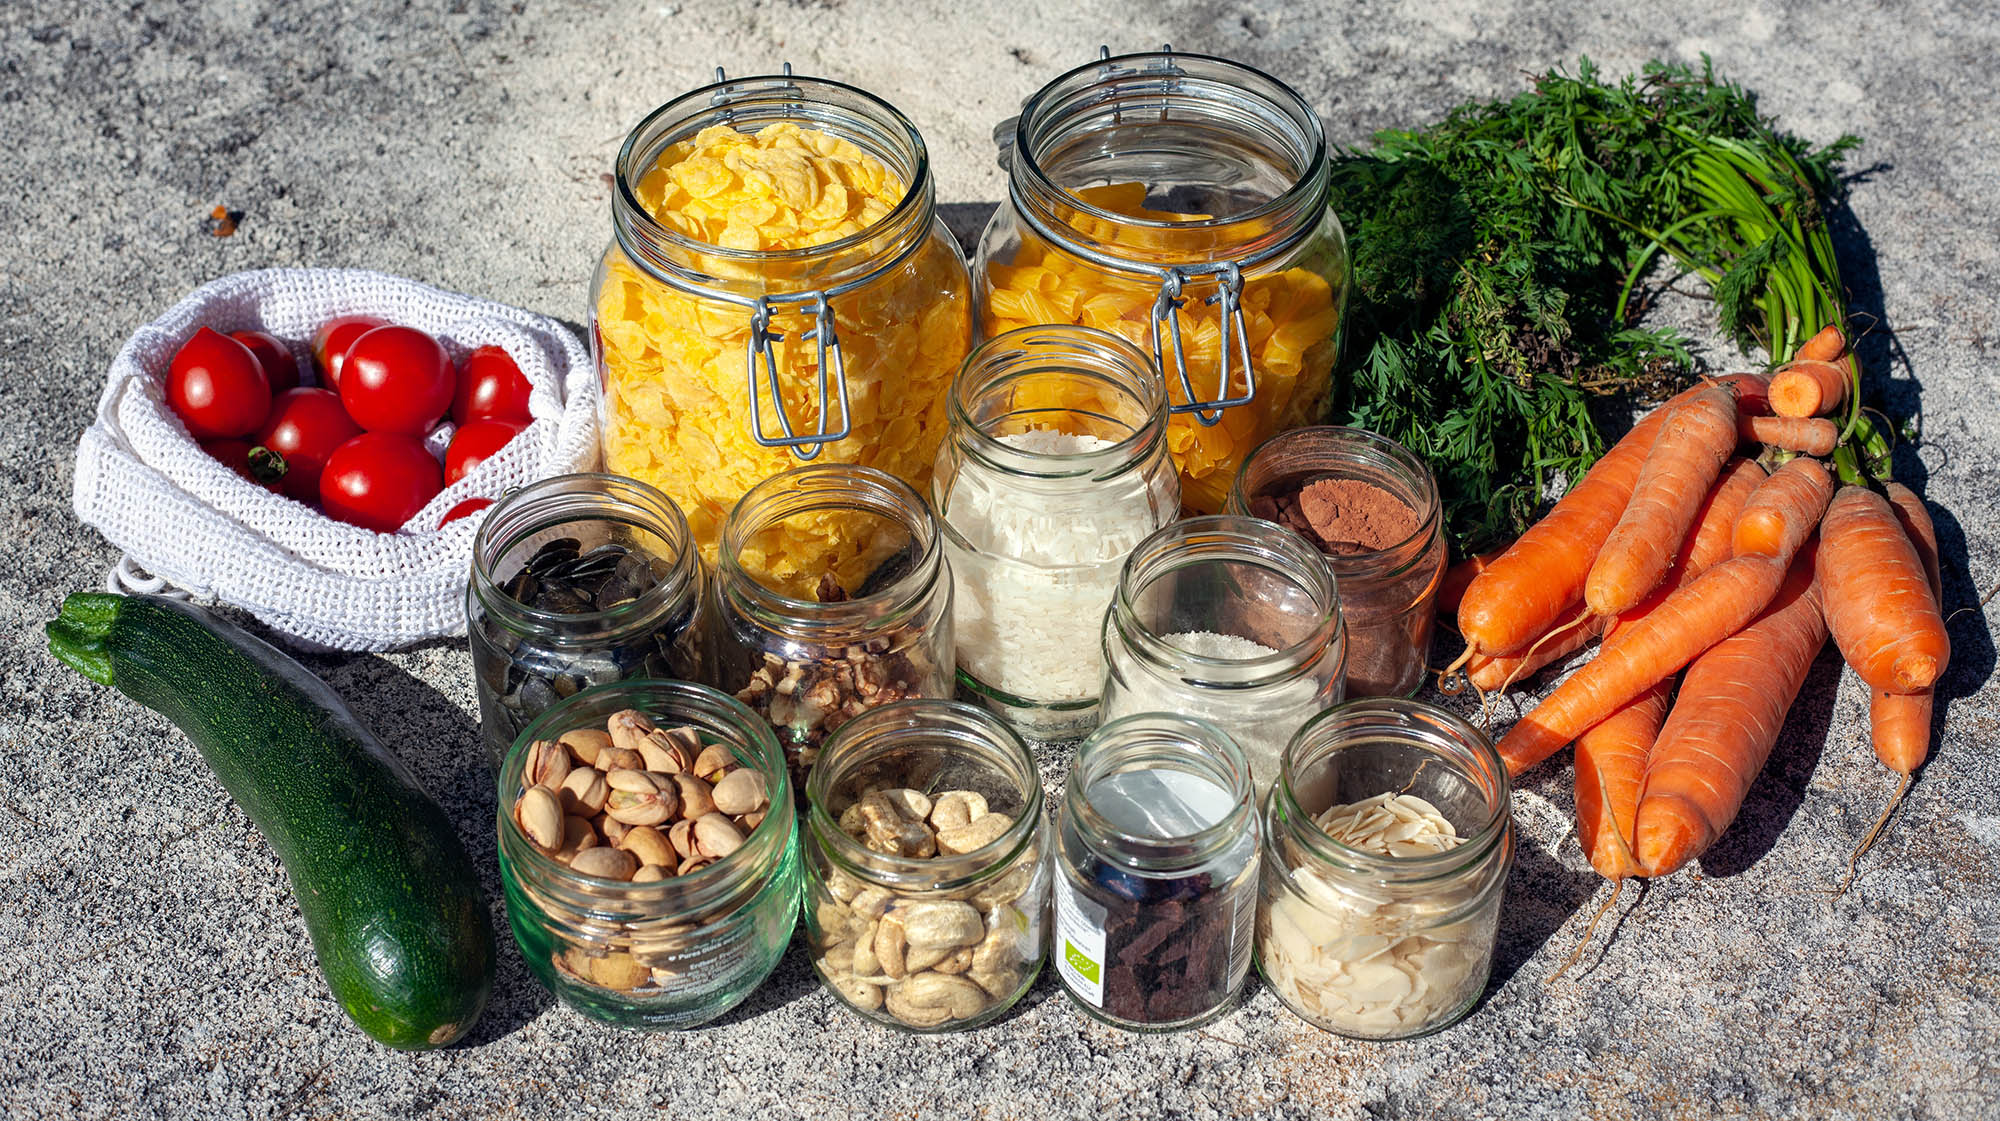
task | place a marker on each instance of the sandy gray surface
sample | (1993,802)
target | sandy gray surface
(152,963)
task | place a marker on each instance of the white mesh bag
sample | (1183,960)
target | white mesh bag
(192,524)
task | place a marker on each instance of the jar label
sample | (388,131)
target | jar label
(1079,942)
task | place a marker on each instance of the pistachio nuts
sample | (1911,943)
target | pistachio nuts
(939,958)
(635,803)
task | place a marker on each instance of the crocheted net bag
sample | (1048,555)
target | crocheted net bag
(187,523)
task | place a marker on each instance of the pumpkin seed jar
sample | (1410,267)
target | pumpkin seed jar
(779,289)
(1179,201)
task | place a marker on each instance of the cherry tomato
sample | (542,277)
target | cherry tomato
(464,509)
(473,444)
(280,368)
(305,427)
(331,341)
(216,387)
(490,387)
(396,379)
(236,455)
(379,480)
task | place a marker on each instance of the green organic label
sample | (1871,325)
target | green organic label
(1081,963)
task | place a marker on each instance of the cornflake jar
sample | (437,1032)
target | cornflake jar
(1055,468)
(672,952)
(779,288)
(1388,842)
(1179,201)
(811,639)
(1233,620)
(578,580)
(925,883)
(1156,881)
(1388,592)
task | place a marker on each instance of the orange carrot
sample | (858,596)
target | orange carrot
(1753,393)
(1783,512)
(1731,705)
(1707,541)
(1610,770)
(1810,435)
(1901,722)
(1684,463)
(1457,578)
(1826,346)
(1878,599)
(1703,612)
(1493,673)
(1808,389)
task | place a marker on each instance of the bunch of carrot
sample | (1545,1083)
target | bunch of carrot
(1684,557)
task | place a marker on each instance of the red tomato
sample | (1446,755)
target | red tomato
(235,455)
(331,341)
(490,387)
(305,427)
(464,509)
(280,368)
(475,443)
(379,480)
(396,379)
(216,387)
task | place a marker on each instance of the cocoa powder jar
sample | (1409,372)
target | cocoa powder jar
(1372,509)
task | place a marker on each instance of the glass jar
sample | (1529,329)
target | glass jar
(1355,938)
(835,292)
(1054,469)
(1388,592)
(673,952)
(1230,619)
(1179,201)
(808,640)
(1156,873)
(578,580)
(925,883)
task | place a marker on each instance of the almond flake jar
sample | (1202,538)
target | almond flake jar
(779,289)
(1180,201)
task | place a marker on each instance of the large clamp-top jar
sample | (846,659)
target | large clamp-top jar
(779,289)
(1180,201)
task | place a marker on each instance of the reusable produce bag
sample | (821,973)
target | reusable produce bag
(184,520)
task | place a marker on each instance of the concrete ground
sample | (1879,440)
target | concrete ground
(152,963)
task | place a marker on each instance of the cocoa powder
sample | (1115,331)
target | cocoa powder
(1342,516)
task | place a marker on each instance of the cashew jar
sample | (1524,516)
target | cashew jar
(925,885)
(647,848)
(1388,842)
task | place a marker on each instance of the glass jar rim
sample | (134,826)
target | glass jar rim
(1308,178)
(814,486)
(718,878)
(1300,563)
(1447,728)
(919,719)
(499,534)
(1147,387)
(1217,756)
(717,97)
(1430,512)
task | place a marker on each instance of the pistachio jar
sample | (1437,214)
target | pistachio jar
(925,884)
(626,939)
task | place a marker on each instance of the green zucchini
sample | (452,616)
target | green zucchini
(389,897)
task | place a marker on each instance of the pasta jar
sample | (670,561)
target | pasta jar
(578,580)
(811,639)
(1230,619)
(779,288)
(1388,842)
(1054,468)
(603,915)
(1372,507)
(1156,873)
(925,881)
(1179,201)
